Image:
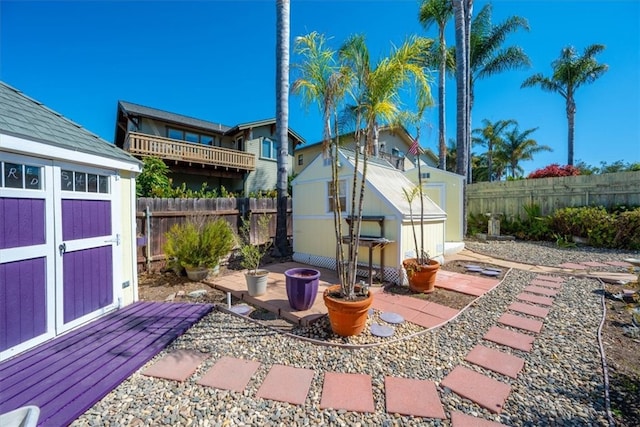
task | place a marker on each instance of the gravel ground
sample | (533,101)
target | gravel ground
(561,383)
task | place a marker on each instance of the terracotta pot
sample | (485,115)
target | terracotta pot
(302,287)
(347,318)
(423,279)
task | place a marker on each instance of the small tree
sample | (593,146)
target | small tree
(253,251)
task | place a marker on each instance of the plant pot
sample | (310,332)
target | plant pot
(302,287)
(197,274)
(257,282)
(422,278)
(347,318)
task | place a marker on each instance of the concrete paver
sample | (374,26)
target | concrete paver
(485,391)
(512,339)
(230,373)
(286,384)
(530,309)
(351,392)
(408,396)
(535,299)
(177,365)
(496,360)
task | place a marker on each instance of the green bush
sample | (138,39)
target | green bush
(627,226)
(594,223)
(253,252)
(198,243)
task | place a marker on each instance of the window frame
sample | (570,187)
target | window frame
(342,191)
(273,149)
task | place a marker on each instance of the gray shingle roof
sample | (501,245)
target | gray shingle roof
(154,113)
(26,117)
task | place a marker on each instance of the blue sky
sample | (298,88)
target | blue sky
(215,60)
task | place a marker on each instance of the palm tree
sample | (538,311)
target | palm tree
(439,12)
(491,136)
(570,71)
(516,147)
(375,92)
(462,13)
(282,121)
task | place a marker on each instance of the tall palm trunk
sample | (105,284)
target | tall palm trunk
(282,120)
(442,143)
(461,85)
(571,116)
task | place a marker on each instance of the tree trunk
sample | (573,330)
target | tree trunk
(461,83)
(442,134)
(282,120)
(571,115)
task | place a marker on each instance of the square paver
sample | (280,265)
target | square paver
(550,278)
(496,360)
(418,398)
(441,311)
(530,309)
(540,290)
(594,264)
(619,264)
(535,299)
(546,283)
(573,266)
(177,365)
(459,419)
(485,391)
(427,320)
(286,384)
(230,373)
(509,338)
(521,322)
(351,392)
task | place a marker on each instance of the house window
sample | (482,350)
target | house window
(300,160)
(175,134)
(15,175)
(342,193)
(269,149)
(206,140)
(193,137)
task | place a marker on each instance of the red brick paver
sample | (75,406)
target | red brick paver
(547,284)
(459,419)
(540,290)
(509,338)
(619,264)
(550,278)
(418,398)
(573,266)
(230,373)
(535,299)
(496,360)
(484,391)
(352,392)
(177,365)
(286,384)
(520,322)
(594,264)
(532,310)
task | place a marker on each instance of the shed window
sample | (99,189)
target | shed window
(342,193)
(300,160)
(15,175)
(84,182)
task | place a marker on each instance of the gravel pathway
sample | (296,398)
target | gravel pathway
(561,383)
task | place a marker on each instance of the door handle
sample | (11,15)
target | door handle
(62,248)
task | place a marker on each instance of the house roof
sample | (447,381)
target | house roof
(154,113)
(389,182)
(25,117)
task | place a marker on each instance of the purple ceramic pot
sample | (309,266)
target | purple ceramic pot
(302,287)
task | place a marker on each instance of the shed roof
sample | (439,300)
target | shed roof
(389,182)
(25,117)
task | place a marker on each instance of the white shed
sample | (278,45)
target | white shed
(386,209)
(67,224)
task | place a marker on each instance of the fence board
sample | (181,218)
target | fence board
(164,213)
(551,194)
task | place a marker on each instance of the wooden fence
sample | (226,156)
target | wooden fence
(551,194)
(155,216)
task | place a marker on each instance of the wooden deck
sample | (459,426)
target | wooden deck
(67,375)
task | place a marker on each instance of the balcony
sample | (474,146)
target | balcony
(143,145)
(396,161)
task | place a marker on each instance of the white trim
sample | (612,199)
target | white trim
(30,147)
(24,252)
(134,240)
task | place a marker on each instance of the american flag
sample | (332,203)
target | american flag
(413,150)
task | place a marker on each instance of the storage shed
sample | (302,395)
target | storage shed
(386,211)
(67,224)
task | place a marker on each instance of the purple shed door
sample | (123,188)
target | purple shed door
(87,263)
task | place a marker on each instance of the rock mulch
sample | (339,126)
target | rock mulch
(560,384)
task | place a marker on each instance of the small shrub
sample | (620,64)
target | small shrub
(198,243)
(253,252)
(627,226)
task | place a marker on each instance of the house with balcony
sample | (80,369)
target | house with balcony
(242,158)
(393,146)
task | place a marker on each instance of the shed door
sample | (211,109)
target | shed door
(27,258)
(87,242)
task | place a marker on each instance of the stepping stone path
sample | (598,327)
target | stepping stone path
(406,396)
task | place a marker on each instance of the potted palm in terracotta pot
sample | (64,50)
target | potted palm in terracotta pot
(325,78)
(421,270)
(252,251)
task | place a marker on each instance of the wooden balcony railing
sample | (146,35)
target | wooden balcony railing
(396,161)
(170,149)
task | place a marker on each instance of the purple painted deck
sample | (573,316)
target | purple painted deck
(67,375)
